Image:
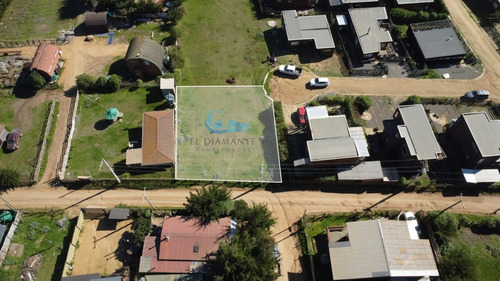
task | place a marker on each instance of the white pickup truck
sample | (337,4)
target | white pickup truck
(289,69)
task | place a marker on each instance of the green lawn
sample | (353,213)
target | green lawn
(220,40)
(22,159)
(39,234)
(208,147)
(37,19)
(93,140)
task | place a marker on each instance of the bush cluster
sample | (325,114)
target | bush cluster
(281,131)
(89,84)
(9,178)
(175,59)
(403,16)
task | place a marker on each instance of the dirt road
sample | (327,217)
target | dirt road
(288,206)
(294,92)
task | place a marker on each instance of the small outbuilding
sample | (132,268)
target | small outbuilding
(96,23)
(144,58)
(46,61)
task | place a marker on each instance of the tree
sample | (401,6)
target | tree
(457,264)
(210,204)
(363,103)
(114,83)
(141,226)
(246,258)
(9,178)
(146,7)
(446,225)
(100,83)
(36,79)
(253,219)
(85,82)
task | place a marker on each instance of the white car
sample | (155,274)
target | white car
(319,82)
(413,226)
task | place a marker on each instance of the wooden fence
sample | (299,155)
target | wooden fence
(68,263)
(42,144)
(70,129)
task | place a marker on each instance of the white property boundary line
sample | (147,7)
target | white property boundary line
(274,124)
(70,137)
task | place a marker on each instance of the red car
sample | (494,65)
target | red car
(13,139)
(301,112)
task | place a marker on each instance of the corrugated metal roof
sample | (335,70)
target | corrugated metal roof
(158,138)
(331,149)
(114,278)
(46,58)
(174,277)
(329,127)
(418,133)
(368,30)
(381,248)
(314,112)
(145,49)
(438,43)
(403,2)
(133,156)
(478,176)
(367,170)
(182,245)
(308,28)
(85,277)
(359,137)
(342,2)
(167,83)
(486,132)
(118,214)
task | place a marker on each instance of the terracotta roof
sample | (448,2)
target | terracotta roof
(158,138)
(46,58)
(185,248)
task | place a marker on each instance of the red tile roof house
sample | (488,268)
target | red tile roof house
(183,245)
(46,61)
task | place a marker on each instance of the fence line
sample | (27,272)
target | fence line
(31,42)
(72,245)
(41,149)
(63,161)
(8,238)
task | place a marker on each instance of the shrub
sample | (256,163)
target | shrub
(402,16)
(114,83)
(85,82)
(363,103)
(176,60)
(332,100)
(400,30)
(141,227)
(464,221)
(432,74)
(414,99)
(36,80)
(457,265)
(9,178)
(100,83)
(446,225)
(314,103)
(139,83)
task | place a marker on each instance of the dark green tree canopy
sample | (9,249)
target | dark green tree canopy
(210,204)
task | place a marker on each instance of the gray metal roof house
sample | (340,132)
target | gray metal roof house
(371,32)
(306,29)
(437,41)
(412,134)
(333,141)
(96,23)
(379,249)
(144,58)
(478,137)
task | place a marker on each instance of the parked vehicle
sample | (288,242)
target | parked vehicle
(13,139)
(319,82)
(477,95)
(301,113)
(289,69)
(413,226)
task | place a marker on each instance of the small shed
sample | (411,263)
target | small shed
(167,86)
(46,61)
(3,134)
(118,214)
(96,23)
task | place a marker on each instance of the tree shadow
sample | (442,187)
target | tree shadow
(61,258)
(102,124)
(154,95)
(119,68)
(70,9)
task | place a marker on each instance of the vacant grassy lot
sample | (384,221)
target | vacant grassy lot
(39,234)
(96,139)
(221,40)
(211,143)
(22,159)
(37,19)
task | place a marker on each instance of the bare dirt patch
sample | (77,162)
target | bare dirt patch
(102,247)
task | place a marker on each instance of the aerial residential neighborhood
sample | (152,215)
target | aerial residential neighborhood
(258,140)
